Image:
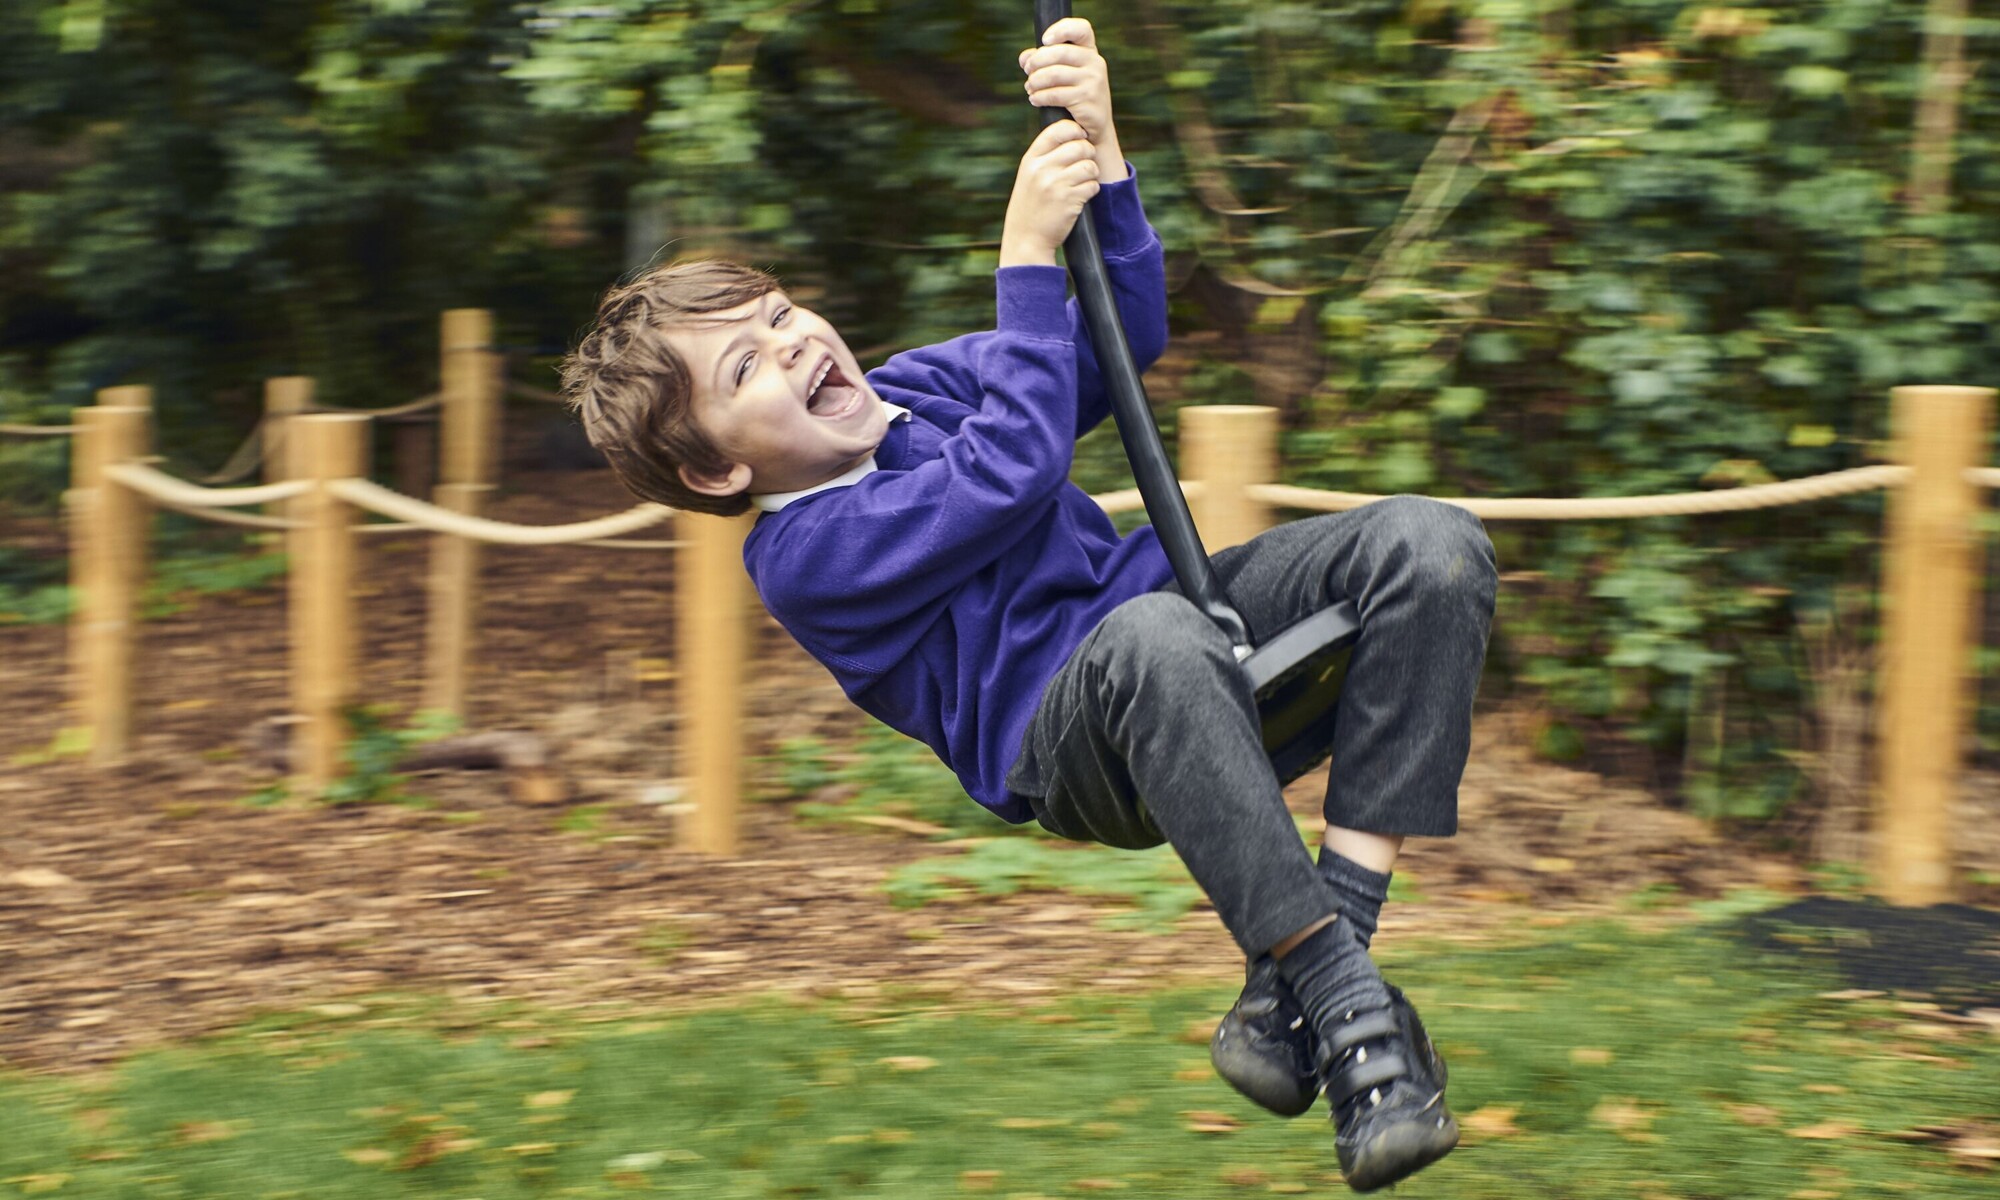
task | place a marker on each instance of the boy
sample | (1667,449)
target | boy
(920,538)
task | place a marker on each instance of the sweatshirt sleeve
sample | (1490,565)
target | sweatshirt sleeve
(1136,263)
(845,571)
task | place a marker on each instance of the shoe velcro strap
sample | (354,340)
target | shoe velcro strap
(1367,1027)
(1357,1077)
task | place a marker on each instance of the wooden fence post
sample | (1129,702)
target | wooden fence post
(1931,573)
(1228,447)
(285,397)
(110,527)
(467,445)
(713,593)
(133,395)
(323,446)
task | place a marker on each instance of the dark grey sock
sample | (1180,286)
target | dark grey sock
(1361,891)
(1332,975)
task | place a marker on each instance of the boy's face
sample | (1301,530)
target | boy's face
(780,394)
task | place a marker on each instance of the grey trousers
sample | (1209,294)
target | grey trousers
(1149,732)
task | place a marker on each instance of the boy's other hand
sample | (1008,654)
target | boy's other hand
(1058,176)
(1066,71)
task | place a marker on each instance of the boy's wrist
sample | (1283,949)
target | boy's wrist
(1025,250)
(1110,159)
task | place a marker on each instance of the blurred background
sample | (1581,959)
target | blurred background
(1466,247)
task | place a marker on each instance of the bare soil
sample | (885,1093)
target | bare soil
(149,902)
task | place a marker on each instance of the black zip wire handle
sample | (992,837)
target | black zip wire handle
(1297,674)
(1130,408)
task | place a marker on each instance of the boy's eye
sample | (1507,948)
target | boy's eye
(779,316)
(743,367)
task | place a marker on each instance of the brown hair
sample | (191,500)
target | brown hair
(633,390)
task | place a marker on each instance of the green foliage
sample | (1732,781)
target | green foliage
(1470,247)
(1153,881)
(375,749)
(174,581)
(71,741)
(884,774)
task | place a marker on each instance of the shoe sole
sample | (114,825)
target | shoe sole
(1399,1152)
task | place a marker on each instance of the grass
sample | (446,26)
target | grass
(1153,881)
(1606,1063)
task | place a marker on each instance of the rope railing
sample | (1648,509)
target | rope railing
(420,404)
(163,488)
(1129,500)
(528,391)
(247,457)
(37,430)
(1677,504)
(377,499)
(1986,477)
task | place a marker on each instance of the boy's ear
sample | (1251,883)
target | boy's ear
(727,483)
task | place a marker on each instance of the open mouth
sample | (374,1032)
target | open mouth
(832,394)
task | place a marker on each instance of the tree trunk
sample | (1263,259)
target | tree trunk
(1942,80)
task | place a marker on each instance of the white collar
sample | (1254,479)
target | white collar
(773,501)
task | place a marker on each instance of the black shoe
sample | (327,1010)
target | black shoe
(1264,1046)
(1384,1082)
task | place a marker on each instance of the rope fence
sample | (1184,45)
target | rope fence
(1230,458)
(1679,504)
(378,499)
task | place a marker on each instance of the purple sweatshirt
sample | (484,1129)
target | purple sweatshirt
(946,588)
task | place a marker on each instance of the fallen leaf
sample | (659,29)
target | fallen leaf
(1592,1056)
(1099,1185)
(1245,1177)
(367,1156)
(432,1147)
(194,1133)
(891,1137)
(1492,1121)
(978,1181)
(549,1099)
(1825,1131)
(1194,1074)
(1755,1114)
(1199,1032)
(1030,1122)
(908,1062)
(33,1185)
(526,1149)
(1211,1122)
(1982,1151)
(1850,994)
(1825,1089)
(92,1120)
(1552,865)
(901,824)
(1929,1029)
(1623,1116)
(38,877)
